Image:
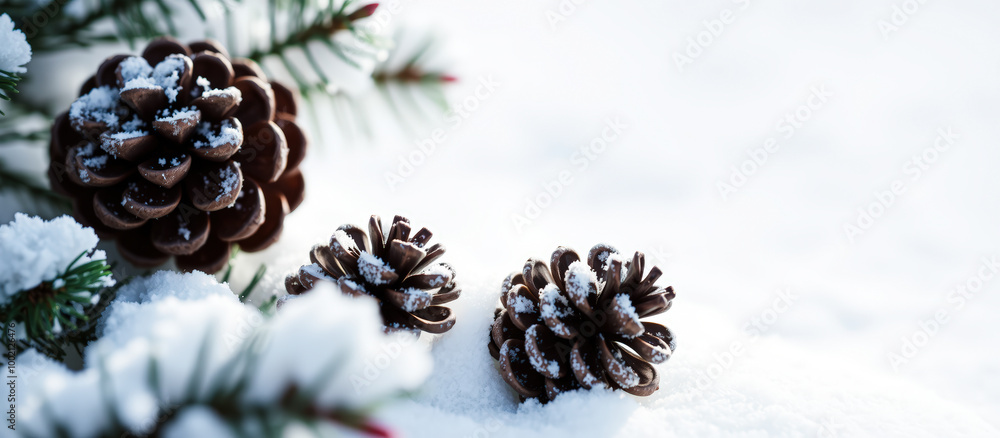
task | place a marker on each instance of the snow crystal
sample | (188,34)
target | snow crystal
(444,275)
(414,298)
(580,280)
(227,134)
(14,48)
(224,92)
(136,124)
(203,83)
(616,257)
(140,82)
(537,362)
(341,238)
(317,271)
(521,304)
(372,267)
(554,303)
(96,162)
(229,180)
(112,142)
(175,116)
(167,73)
(135,67)
(34,250)
(625,304)
(101,104)
(184,232)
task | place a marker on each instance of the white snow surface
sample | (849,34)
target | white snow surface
(15,51)
(33,250)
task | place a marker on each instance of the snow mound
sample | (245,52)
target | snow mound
(770,389)
(14,48)
(34,251)
(173,339)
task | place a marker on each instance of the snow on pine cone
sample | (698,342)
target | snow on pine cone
(576,324)
(397,269)
(180,152)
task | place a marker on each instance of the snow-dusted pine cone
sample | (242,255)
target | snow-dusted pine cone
(180,152)
(576,324)
(397,269)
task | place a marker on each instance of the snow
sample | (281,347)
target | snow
(163,284)
(167,73)
(142,325)
(174,117)
(317,271)
(135,67)
(580,280)
(625,304)
(229,180)
(617,257)
(521,304)
(416,299)
(551,366)
(197,421)
(227,134)
(100,104)
(224,92)
(34,251)
(372,267)
(15,51)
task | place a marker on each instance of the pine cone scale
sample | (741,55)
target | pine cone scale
(166,170)
(517,371)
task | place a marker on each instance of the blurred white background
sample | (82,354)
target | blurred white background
(698,89)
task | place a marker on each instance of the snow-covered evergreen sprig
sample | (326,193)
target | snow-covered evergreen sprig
(181,356)
(51,280)
(14,54)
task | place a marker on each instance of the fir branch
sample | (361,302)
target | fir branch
(8,85)
(132,22)
(257,276)
(57,312)
(320,29)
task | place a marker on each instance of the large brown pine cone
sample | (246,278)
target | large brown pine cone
(576,324)
(397,269)
(180,152)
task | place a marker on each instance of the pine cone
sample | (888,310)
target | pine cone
(576,324)
(180,152)
(396,269)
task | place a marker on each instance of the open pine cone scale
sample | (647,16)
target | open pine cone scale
(576,324)
(396,268)
(182,151)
